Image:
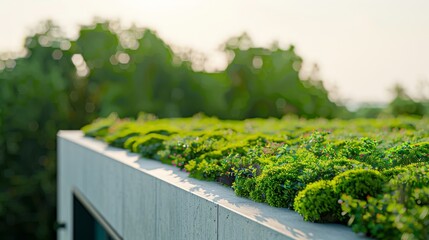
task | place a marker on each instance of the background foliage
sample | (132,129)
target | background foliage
(61,83)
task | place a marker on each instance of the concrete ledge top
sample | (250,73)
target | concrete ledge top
(284,221)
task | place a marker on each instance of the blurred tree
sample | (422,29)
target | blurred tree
(402,104)
(368,111)
(266,82)
(35,104)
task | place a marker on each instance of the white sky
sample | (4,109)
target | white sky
(362,47)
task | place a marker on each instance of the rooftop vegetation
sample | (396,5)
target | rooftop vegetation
(372,174)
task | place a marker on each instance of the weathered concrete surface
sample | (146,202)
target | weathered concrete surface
(144,199)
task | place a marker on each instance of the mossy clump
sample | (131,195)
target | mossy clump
(359,183)
(280,184)
(318,202)
(244,186)
(408,153)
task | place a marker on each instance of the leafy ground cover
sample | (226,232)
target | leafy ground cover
(372,174)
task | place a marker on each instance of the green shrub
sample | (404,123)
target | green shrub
(257,194)
(394,172)
(354,149)
(179,150)
(364,150)
(359,183)
(271,180)
(408,153)
(199,147)
(191,166)
(318,202)
(280,184)
(414,177)
(371,216)
(205,170)
(316,144)
(402,211)
(331,168)
(147,145)
(245,178)
(244,186)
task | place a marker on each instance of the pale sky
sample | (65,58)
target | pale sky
(362,47)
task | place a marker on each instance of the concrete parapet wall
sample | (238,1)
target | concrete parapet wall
(145,199)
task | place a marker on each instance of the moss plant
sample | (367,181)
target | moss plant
(318,202)
(359,183)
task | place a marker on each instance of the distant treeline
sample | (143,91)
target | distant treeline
(61,83)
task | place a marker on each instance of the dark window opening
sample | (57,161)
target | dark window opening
(88,223)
